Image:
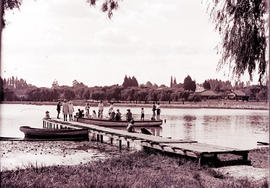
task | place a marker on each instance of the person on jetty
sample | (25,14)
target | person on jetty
(58,108)
(100,110)
(94,115)
(154,111)
(65,110)
(87,108)
(80,113)
(128,115)
(70,110)
(112,115)
(110,109)
(118,115)
(87,115)
(142,114)
(130,127)
(47,115)
(158,111)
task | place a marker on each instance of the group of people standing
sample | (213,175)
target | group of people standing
(156,111)
(67,109)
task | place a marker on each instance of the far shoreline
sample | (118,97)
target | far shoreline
(210,104)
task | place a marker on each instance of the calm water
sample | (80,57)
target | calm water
(232,128)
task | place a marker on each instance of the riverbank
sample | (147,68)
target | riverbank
(214,104)
(117,169)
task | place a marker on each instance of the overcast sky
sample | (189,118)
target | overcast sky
(152,40)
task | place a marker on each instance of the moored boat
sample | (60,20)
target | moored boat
(121,123)
(66,134)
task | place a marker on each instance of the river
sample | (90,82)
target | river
(226,127)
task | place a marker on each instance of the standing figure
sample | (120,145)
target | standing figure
(158,111)
(58,108)
(70,110)
(100,110)
(87,108)
(129,115)
(65,110)
(110,109)
(154,111)
(118,115)
(142,114)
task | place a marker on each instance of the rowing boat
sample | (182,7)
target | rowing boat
(121,123)
(66,134)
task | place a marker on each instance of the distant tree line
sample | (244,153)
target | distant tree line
(13,89)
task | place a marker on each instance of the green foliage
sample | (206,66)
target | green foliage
(217,85)
(18,89)
(206,85)
(189,84)
(241,25)
(108,6)
(130,82)
(69,94)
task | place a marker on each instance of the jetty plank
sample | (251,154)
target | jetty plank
(183,147)
(124,133)
(205,148)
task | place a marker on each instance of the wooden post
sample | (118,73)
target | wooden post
(200,160)
(128,146)
(101,138)
(111,140)
(120,144)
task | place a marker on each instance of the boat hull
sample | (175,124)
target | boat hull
(110,123)
(66,134)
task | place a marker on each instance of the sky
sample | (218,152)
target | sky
(68,40)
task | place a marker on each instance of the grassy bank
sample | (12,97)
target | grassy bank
(137,169)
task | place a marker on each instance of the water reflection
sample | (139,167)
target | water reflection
(189,118)
(189,127)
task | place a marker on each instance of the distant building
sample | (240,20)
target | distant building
(199,88)
(208,94)
(237,95)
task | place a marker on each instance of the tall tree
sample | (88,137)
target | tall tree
(206,85)
(171,84)
(134,82)
(174,81)
(189,84)
(241,25)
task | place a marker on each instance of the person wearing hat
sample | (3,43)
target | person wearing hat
(129,115)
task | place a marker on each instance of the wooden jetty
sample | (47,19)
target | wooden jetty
(189,148)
